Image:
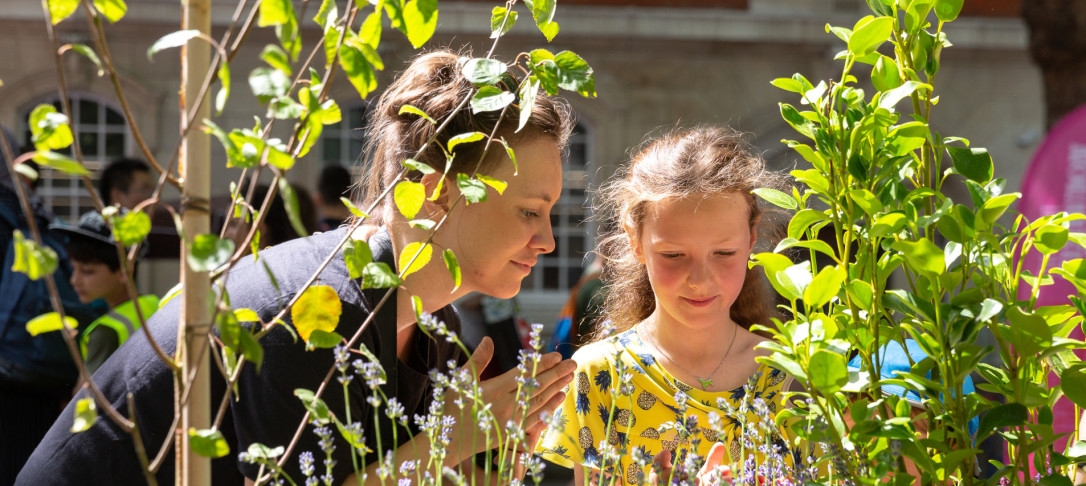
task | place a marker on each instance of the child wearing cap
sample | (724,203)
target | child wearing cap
(97,274)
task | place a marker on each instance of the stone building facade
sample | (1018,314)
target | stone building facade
(658,64)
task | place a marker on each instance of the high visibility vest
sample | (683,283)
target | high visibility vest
(122,319)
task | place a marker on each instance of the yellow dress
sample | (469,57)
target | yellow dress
(619,383)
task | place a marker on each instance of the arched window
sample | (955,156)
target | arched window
(557,271)
(103,136)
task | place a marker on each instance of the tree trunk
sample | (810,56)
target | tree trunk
(1057,42)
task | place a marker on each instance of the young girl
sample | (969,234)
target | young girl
(682,299)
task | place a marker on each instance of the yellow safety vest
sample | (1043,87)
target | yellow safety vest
(121,319)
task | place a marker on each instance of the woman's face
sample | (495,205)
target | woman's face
(498,241)
(695,250)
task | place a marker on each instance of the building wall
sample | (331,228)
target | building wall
(656,68)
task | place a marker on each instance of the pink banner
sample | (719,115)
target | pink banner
(1056,181)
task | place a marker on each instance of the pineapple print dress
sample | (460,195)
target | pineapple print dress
(623,408)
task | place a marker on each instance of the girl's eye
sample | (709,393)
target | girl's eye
(725,253)
(528,213)
(671,256)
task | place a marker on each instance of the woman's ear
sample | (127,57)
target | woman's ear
(436,181)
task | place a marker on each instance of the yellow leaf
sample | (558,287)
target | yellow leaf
(318,308)
(409,252)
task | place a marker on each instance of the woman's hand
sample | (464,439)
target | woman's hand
(500,393)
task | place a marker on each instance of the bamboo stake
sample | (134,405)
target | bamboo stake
(192,342)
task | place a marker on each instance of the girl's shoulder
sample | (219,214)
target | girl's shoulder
(607,351)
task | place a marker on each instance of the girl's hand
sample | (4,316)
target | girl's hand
(713,473)
(500,393)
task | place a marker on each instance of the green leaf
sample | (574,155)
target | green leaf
(868,36)
(318,307)
(828,371)
(377,275)
(796,120)
(512,155)
(26,171)
(260,451)
(284,108)
(353,209)
(319,339)
(251,348)
(60,162)
(973,163)
(426,224)
(208,442)
(881,8)
(416,111)
(357,255)
(112,10)
(318,410)
(420,19)
(885,75)
(484,71)
(370,33)
(61,9)
(1008,415)
(277,58)
(888,224)
(89,53)
(131,228)
(49,129)
(824,286)
(1050,238)
(1073,384)
(817,245)
(86,414)
(777,198)
(789,84)
(492,182)
(288,36)
(474,190)
(948,10)
(501,21)
(802,220)
(419,166)
(996,206)
(575,74)
(890,99)
(775,264)
(528,92)
(224,92)
(35,260)
(424,251)
(469,137)
(171,40)
(1074,271)
(209,252)
(922,256)
(269,83)
(290,203)
(49,322)
(246,315)
(1029,333)
(409,197)
(275,12)
(865,200)
(490,98)
(453,266)
(543,13)
(327,11)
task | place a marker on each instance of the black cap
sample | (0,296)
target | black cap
(91,225)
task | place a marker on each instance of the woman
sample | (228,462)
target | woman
(496,242)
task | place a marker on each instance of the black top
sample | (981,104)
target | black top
(266,410)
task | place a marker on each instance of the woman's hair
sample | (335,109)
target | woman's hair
(703,161)
(435,84)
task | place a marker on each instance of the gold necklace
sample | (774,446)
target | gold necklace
(704,382)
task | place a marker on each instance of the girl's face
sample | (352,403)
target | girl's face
(498,241)
(695,250)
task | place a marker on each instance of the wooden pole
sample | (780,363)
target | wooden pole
(195,322)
